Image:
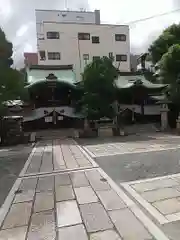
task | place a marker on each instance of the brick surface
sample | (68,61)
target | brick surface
(18,215)
(42,226)
(77,232)
(85,195)
(128,225)
(44,201)
(68,213)
(111,200)
(79,179)
(64,193)
(95,217)
(18,233)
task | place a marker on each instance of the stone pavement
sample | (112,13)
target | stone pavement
(153,143)
(160,197)
(61,194)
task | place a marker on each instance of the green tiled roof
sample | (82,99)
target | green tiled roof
(39,75)
(125,82)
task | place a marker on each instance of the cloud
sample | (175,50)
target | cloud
(17,18)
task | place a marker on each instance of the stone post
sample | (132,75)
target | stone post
(178,124)
(164,117)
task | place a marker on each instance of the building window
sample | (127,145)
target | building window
(95,39)
(96,58)
(84,36)
(111,55)
(53,35)
(42,55)
(54,55)
(121,58)
(120,37)
(86,57)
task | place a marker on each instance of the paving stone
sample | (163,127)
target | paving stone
(44,201)
(79,179)
(42,226)
(68,157)
(28,184)
(64,193)
(18,215)
(97,181)
(18,233)
(111,200)
(95,217)
(83,162)
(68,213)
(25,196)
(159,194)
(34,166)
(45,184)
(85,195)
(62,179)
(105,235)
(128,225)
(168,206)
(77,232)
(152,185)
(172,230)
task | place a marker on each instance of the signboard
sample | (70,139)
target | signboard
(48,119)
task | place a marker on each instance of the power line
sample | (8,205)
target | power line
(152,17)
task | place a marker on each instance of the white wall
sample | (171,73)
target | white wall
(70,48)
(64,16)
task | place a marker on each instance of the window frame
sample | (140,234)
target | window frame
(118,37)
(121,56)
(96,58)
(41,58)
(95,37)
(111,55)
(83,38)
(49,58)
(86,54)
(52,38)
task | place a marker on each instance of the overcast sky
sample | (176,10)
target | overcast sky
(17,18)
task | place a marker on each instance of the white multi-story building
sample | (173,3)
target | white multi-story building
(65,16)
(79,43)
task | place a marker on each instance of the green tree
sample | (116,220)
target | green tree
(160,46)
(99,90)
(170,72)
(11,80)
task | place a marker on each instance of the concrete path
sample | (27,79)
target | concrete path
(61,194)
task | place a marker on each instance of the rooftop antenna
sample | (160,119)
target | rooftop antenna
(66,4)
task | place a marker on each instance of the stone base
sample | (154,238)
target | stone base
(90,133)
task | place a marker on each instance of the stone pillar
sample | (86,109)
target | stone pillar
(178,124)
(164,117)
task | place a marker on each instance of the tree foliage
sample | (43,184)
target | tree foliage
(170,72)
(160,46)
(11,80)
(99,89)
